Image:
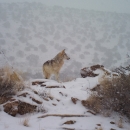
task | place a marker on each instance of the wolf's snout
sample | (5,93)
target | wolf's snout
(68,58)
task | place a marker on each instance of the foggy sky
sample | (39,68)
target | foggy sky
(120,6)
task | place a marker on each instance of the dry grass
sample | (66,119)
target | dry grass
(120,123)
(113,95)
(25,122)
(10,81)
(93,102)
(99,128)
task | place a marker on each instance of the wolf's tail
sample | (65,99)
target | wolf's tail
(44,71)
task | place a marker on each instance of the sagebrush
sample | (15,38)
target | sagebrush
(113,95)
(10,82)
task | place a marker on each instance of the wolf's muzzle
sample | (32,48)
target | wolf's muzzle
(68,58)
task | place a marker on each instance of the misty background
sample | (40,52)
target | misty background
(92,32)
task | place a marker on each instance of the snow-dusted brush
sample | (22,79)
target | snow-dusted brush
(112,95)
(10,81)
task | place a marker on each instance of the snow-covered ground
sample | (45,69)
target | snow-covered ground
(61,103)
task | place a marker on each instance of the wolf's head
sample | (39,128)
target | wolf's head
(65,55)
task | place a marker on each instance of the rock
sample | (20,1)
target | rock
(95,67)
(35,92)
(55,87)
(46,99)
(92,112)
(43,85)
(23,94)
(70,122)
(33,99)
(18,107)
(58,100)
(51,97)
(24,108)
(66,128)
(38,82)
(38,102)
(53,104)
(11,108)
(98,124)
(89,71)
(61,93)
(112,122)
(74,100)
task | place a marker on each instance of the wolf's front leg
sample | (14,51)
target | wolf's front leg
(57,77)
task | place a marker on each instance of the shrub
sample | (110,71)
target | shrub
(113,95)
(10,82)
(7,88)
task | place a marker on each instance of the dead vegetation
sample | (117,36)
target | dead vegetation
(99,128)
(120,123)
(25,122)
(113,95)
(10,82)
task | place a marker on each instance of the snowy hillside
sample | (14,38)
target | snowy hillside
(31,33)
(60,108)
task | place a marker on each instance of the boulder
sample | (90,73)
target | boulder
(24,108)
(89,71)
(11,108)
(18,107)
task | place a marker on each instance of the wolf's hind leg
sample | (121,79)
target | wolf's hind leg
(47,76)
(57,76)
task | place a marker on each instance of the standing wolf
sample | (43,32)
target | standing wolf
(53,66)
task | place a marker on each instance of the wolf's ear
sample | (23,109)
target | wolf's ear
(63,51)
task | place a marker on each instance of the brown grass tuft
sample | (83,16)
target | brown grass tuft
(10,82)
(120,123)
(93,102)
(25,122)
(113,95)
(99,128)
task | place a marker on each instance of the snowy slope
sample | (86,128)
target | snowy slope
(61,103)
(31,33)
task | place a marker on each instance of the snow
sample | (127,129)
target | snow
(31,33)
(78,88)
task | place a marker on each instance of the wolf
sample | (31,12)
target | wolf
(54,65)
